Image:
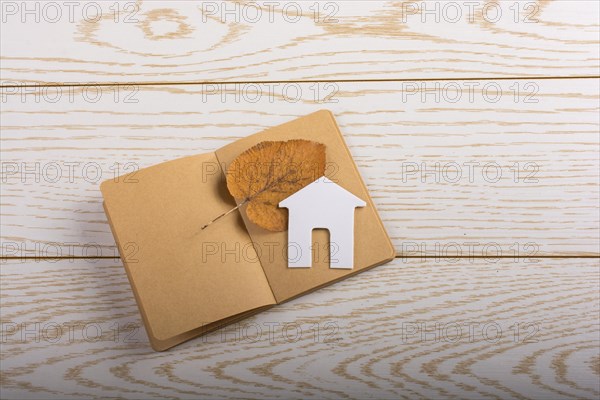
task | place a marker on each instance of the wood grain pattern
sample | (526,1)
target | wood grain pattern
(56,153)
(369,342)
(416,96)
(184,41)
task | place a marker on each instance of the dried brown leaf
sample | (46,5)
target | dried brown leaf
(267,173)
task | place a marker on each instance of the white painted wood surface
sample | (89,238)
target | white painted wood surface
(403,330)
(175,42)
(369,341)
(398,138)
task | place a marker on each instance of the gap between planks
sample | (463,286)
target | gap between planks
(265,82)
(424,257)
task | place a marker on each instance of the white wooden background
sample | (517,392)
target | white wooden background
(494,293)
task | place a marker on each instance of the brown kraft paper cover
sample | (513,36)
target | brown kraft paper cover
(156,215)
(372,244)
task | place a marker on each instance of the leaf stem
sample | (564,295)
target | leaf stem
(226,213)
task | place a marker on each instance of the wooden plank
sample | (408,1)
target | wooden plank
(184,41)
(407,329)
(54,154)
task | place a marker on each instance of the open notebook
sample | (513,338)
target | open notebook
(189,281)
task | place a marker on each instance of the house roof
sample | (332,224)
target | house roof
(322,191)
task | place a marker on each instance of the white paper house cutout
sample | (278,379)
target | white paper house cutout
(321,204)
